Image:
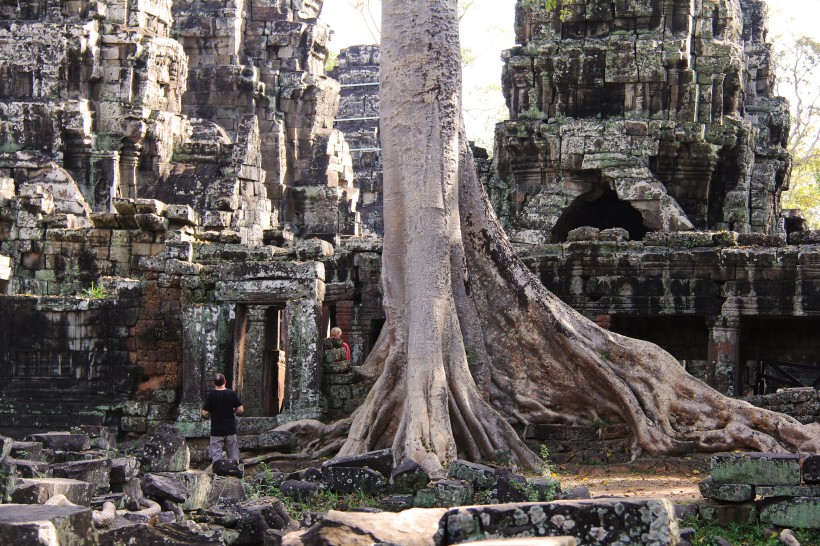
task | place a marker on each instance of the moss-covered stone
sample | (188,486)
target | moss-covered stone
(756,469)
(727,492)
(444,494)
(796,513)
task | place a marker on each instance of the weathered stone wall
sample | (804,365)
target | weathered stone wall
(357,71)
(66,361)
(712,287)
(650,116)
(190,165)
(268,59)
(802,404)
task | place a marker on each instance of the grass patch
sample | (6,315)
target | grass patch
(707,534)
(263,484)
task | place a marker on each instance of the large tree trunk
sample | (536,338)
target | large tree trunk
(453,286)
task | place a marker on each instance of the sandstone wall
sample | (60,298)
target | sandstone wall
(647,115)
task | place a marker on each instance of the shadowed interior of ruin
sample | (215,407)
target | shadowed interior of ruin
(601,210)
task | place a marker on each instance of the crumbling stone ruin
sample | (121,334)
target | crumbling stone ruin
(153,156)
(182,190)
(357,71)
(647,116)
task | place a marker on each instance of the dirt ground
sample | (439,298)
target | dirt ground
(672,478)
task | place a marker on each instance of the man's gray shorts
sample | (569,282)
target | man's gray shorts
(228,443)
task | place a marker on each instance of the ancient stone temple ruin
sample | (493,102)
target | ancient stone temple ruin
(185,190)
(641,170)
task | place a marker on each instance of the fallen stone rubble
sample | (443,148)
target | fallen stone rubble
(81,488)
(771,488)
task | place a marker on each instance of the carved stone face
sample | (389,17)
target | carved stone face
(665,107)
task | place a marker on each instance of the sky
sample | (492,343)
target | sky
(487,29)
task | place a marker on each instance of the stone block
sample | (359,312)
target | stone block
(335,367)
(544,489)
(39,490)
(727,514)
(165,452)
(340,378)
(181,214)
(599,521)
(62,441)
(151,222)
(794,513)
(381,461)
(396,502)
(756,468)
(408,477)
(198,484)
(124,469)
(226,492)
(727,492)
(804,237)
(163,534)
(810,469)
(341,479)
(5,447)
(585,233)
(163,487)
(481,476)
(258,516)
(277,440)
(335,355)
(444,494)
(182,250)
(787,490)
(25,469)
(508,488)
(46,526)
(299,490)
(96,472)
(413,526)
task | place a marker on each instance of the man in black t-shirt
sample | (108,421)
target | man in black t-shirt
(222,405)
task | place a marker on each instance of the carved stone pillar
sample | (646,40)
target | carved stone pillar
(206,333)
(104,179)
(724,354)
(303,383)
(253,370)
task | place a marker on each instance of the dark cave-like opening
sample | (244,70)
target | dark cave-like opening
(604,212)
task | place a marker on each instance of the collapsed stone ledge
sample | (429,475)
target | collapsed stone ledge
(777,489)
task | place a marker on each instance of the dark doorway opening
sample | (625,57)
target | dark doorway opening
(602,210)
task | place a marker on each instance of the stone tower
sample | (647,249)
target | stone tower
(649,115)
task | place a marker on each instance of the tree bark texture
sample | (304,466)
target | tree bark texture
(454,287)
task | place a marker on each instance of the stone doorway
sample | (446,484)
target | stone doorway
(260,358)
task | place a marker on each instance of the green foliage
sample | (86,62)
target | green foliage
(94,292)
(550,5)
(707,534)
(799,74)
(502,457)
(332,61)
(544,452)
(533,113)
(599,423)
(263,484)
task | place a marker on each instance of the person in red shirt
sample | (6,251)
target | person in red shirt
(336,332)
